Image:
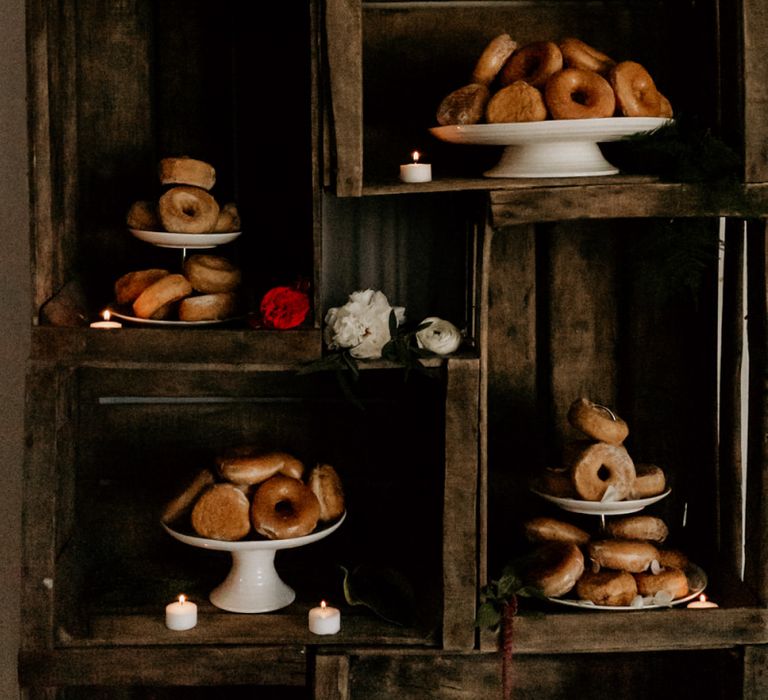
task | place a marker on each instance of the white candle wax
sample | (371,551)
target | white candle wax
(416,172)
(106,323)
(702,603)
(181,615)
(324,619)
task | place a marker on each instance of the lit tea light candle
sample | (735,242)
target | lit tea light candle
(106,322)
(416,172)
(181,615)
(324,619)
(702,603)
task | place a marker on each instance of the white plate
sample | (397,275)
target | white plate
(697,582)
(164,239)
(550,148)
(166,322)
(574,505)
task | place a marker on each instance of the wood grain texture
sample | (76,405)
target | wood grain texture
(330,675)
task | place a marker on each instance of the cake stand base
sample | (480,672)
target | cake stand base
(555,159)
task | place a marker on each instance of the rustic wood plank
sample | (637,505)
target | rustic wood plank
(754,25)
(330,677)
(755,672)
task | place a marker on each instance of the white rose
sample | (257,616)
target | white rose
(362,324)
(440,336)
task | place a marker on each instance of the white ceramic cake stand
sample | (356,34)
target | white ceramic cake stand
(551,148)
(253,584)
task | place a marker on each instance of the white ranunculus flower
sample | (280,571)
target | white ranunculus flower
(440,336)
(362,324)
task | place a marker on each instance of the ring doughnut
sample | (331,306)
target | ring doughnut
(534,63)
(131,284)
(222,513)
(598,422)
(636,93)
(325,483)
(543,529)
(649,481)
(493,58)
(623,555)
(186,171)
(639,527)
(207,307)
(466,105)
(607,587)
(166,290)
(248,465)
(670,580)
(669,558)
(554,568)
(186,209)
(143,216)
(179,505)
(557,482)
(517,102)
(601,466)
(575,93)
(211,273)
(284,508)
(228,219)
(577,54)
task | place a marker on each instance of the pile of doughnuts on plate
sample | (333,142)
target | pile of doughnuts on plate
(599,467)
(186,204)
(551,80)
(206,291)
(255,494)
(624,565)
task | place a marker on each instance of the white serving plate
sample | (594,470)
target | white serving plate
(575,505)
(165,239)
(166,322)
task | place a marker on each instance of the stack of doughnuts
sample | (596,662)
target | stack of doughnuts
(551,80)
(186,204)
(258,494)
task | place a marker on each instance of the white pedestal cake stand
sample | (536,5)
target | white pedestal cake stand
(253,584)
(552,148)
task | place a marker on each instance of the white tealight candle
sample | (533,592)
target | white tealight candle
(324,619)
(181,615)
(702,603)
(416,172)
(106,323)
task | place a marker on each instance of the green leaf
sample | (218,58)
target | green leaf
(488,616)
(384,591)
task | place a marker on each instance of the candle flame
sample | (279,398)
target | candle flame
(702,598)
(182,598)
(416,155)
(106,315)
(322,604)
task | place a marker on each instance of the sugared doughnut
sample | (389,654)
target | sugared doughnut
(228,220)
(325,483)
(636,93)
(597,421)
(493,58)
(572,450)
(673,558)
(623,555)
(638,527)
(575,93)
(284,508)
(607,587)
(534,63)
(211,273)
(670,580)
(554,568)
(186,171)
(601,466)
(544,529)
(207,307)
(250,465)
(517,102)
(184,500)
(143,216)
(649,481)
(556,482)
(166,290)
(186,209)
(577,54)
(131,284)
(222,513)
(466,105)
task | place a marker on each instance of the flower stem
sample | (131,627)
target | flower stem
(508,615)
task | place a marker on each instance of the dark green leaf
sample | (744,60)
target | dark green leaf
(383,590)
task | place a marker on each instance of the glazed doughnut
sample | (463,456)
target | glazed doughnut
(543,529)
(673,558)
(131,284)
(211,273)
(575,93)
(601,466)
(666,108)
(186,209)
(554,568)
(493,58)
(534,63)
(638,527)
(636,93)
(248,465)
(517,102)
(607,587)
(221,513)
(143,216)
(597,421)
(623,555)
(649,481)
(186,171)
(670,580)
(207,307)
(464,106)
(228,220)
(557,482)
(325,483)
(577,54)
(284,508)
(166,290)
(179,505)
